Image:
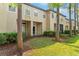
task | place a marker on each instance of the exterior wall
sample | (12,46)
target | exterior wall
(47,20)
(3,19)
(8,19)
(32,18)
(66,24)
(51,20)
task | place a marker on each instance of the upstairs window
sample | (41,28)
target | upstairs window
(27,12)
(11,8)
(35,14)
(43,16)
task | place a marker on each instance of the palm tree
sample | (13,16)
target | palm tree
(77,18)
(19,28)
(75,15)
(70,21)
(57,6)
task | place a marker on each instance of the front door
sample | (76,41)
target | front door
(33,30)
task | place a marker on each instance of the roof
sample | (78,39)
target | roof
(34,6)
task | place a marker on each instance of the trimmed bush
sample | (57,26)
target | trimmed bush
(10,37)
(49,33)
(66,32)
(2,39)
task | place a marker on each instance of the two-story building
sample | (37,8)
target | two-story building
(34,20)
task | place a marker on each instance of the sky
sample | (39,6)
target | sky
(45,7)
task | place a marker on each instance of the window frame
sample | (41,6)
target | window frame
(35,14)
(27,12)
(44,16)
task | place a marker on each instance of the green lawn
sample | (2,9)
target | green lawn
(48,47)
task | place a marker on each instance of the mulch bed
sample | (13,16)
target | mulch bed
(11,49)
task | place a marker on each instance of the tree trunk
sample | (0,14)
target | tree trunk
(58,26)
(70,21)
(19,29)
(75,19)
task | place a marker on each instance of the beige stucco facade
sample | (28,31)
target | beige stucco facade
(32,24)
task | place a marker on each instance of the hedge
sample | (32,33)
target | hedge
(68,31)
(49,33)
(7,38)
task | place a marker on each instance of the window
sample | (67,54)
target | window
(11,8)
(27,12)
(35,14)
(43,16)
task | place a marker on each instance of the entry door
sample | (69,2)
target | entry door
(61,28)
(33,30)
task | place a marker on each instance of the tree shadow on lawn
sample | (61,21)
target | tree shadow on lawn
(41,42)
(72,39)
(37,43)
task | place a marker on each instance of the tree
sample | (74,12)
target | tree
(75,17)
(57,6)
(19,28)
(70,21)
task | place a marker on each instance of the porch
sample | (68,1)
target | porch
(32,28)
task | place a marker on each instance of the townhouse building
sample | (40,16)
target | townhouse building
(34,20)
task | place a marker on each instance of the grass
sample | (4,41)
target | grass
(48,47)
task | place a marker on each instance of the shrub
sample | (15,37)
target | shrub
(49,33)
(66,32)
(10,37)
(2,39)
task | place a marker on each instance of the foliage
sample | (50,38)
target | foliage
(13,4)
(73,39)
(2,39)
(67,32)
(55,5)
(49,33)
(10,37)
